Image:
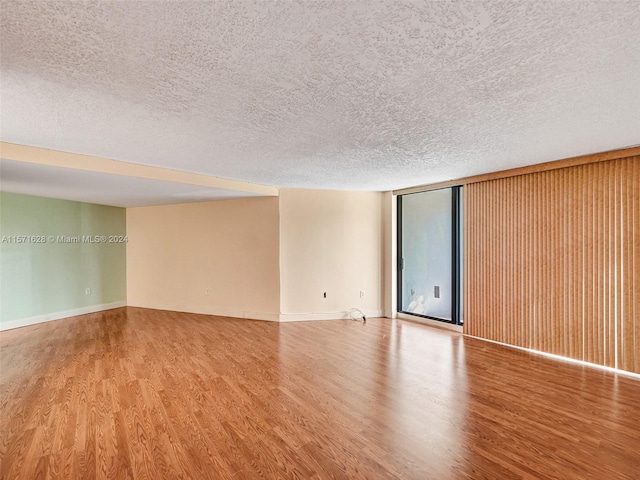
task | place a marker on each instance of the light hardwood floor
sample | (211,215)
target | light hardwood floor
(148,394)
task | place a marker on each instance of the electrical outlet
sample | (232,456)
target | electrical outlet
(361,293)
(87,291)
(436,292)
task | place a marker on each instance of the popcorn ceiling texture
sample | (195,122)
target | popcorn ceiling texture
(364,95)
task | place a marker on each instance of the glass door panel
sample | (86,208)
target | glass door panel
(427,262)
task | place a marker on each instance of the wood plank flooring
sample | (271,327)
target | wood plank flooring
(146,394)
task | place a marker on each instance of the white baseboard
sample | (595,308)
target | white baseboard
(49,317)
(220,312)
(307,317)
(251,315)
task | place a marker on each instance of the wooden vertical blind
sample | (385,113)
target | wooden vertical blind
(552,261)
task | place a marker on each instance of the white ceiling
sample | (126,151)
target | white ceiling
(360,94)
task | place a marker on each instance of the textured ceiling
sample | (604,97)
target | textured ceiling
(365,95)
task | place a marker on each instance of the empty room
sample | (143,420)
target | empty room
(292,239)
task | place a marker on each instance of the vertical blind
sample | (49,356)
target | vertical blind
(552,261)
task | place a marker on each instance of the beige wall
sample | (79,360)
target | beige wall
(214,257)
(330,241)
(265,258)
(390,235)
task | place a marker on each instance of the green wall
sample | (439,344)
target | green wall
(51,277)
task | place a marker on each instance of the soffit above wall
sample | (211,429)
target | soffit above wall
(103,188)
(48,173)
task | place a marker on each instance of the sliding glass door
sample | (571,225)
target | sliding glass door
(429,254)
